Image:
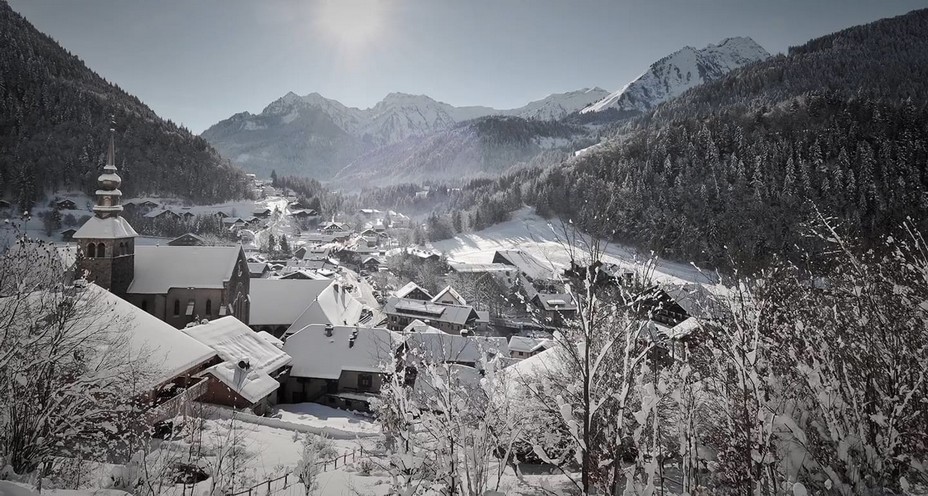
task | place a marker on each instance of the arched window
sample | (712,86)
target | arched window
(176,308)
(101,250)
(91,250)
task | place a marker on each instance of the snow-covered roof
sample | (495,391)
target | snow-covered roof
(557,302)
(171,351)
(695,299)
(270,338)
(315,354)
(525,344)
(478,268)
(532,267)
(255,268)
(452,294)
(334,305)
(108,228)
(441,347)
(281,301)
(409,288)
(418,309)
(253,384)
(234,341)
(159,268)
(419,326)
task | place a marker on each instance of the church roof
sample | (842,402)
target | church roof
(160,268)
(107,228)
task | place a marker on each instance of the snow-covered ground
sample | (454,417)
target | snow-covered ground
(543,239)
(321,416)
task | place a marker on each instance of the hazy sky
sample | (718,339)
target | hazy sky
(197,62)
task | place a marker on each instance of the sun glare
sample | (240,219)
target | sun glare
(353,26)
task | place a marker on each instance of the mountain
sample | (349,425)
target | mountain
(731,174)
(684,69)
(479,148)
(559,105)
(55,115)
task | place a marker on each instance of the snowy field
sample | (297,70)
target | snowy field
(321,416)
(543,239)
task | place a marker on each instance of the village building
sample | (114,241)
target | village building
(283,306)
(258,269)
(252,366)
(521,347)
(338,365)
(65,205)
(412,291)
(163,215)
(177,284)
(449,296)
(188,239)
(535,271)
(452,319)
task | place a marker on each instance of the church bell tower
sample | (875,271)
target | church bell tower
(107,241)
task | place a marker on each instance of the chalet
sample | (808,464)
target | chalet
(68,234)
(413,291)
(449,296)
(221,214)
(672,304)
(178,358)
(399,221)
(233,222)
(262,213)
(334,228)
(188,239)
(505,273)
(338,365)
(370,264)
(65,205)
(187,216)
(430,345)
(536,271)
(521,347)
(556,308)
(447,318)
(283,306)
(252,366)
(163,215)
(304,214)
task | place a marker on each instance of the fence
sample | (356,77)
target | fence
(290,479)
(331,432)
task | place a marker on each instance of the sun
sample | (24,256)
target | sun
(353,27)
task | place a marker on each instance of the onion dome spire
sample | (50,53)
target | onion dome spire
(108,194)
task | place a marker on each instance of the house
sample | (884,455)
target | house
(252,366)
(68,234)
(304,214)
(536,271)
(176,358)
(671,304)
(163,215)
(262,213)
(433,346)
(449,296)
(283,306)
(233,223)
(447,318)
(339,366)
(258,269)
(370,264)
(221,214)
(413,291)
(65,205)
(524,346)
(187,216)
(334,228)
(188,239)
(556,308)
(399,221)
(505,273)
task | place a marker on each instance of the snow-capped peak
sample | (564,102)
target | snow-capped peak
(559,105)
(680,71)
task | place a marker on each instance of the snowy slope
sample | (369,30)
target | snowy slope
(680,71)
(559,105)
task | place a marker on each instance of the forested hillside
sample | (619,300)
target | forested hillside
(727,174)
(54,117)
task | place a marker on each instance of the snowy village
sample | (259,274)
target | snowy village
(713,280)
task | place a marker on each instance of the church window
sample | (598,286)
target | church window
(101,250)
(91,250)
(209,308)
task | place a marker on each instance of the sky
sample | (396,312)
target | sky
(198,62)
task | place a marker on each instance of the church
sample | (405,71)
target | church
(177,284)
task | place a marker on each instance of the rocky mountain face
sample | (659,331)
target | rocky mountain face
(684,69)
